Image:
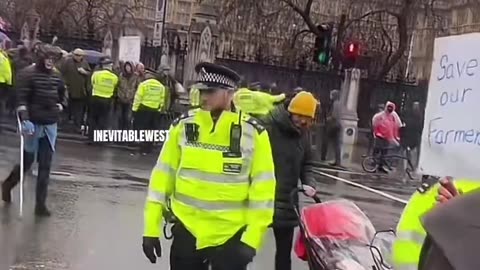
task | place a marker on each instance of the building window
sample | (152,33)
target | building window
(462,16)
(475,19)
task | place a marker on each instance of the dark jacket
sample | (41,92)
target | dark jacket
(412,133)
(77,83)
(292,156)
(40,91)
(128,85)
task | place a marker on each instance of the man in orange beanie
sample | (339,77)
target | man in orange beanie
(288,126)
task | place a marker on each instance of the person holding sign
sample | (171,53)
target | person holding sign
(411,233)
(452,229)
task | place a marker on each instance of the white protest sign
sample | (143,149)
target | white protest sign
(451,133)
(129,49)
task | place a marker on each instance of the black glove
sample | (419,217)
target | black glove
(151,246)
(245,253)
(235,254)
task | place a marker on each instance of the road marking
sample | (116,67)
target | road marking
(54,173)
(378,192)
(343,171)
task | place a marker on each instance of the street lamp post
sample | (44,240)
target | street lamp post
(164,2)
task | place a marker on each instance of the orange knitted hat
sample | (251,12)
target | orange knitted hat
(303,103)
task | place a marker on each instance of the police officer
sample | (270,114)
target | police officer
(411,234)
(149,101)
(217,173)
(104,86)
(6,76)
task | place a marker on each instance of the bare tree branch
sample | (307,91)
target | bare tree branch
(303,13)
(305,31)
(368,14)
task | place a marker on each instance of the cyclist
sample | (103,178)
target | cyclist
(386,131)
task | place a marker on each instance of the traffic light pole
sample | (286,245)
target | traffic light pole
(337,54)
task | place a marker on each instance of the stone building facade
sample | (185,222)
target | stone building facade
(451,18)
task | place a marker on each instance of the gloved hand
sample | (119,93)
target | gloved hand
(243,254)
(28,128)
(309,191)
(246,253)
(152,248)
(447,190)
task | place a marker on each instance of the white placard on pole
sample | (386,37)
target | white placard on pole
(129,48)
(451,133)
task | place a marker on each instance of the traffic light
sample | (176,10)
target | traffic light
(351,54)
(323,44)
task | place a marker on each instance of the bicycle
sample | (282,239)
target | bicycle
(371,163)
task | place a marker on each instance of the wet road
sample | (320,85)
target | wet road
(97,212)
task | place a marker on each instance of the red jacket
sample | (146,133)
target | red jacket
(387,125)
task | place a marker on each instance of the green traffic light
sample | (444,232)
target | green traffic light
(322,58)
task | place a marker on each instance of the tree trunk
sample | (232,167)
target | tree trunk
(402,30)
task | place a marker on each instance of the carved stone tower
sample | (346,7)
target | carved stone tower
(202,38)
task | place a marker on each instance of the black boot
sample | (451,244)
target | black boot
(42,211)
(11,181)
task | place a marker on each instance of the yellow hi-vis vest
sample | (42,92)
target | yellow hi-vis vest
(410,232)
(6,75)
(151,94)
(255,102)
(214,192)
(194,97)
(104,83)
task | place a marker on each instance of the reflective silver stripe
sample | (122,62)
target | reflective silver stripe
(163,167)
(214,177)
(259,205)
(209,205)
(410,266)
(412,236)
(248,139)
(262,177)
(156,196)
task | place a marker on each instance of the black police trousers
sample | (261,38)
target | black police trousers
(99,115)
(146,119)
(185,256)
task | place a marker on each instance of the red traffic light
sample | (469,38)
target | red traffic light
(353,49)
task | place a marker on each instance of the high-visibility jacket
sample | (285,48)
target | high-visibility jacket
(151,94)
(104,83)
(255,102)
(214,192)
(6,75)
(410,232)
(194,97)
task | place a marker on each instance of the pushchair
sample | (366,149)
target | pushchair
(337,235)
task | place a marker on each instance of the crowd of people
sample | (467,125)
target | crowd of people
(256,157)
(91,102)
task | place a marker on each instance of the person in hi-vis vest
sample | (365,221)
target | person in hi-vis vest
(104,88)
(6,79)
(216,174)
(147,106)
(411,234)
